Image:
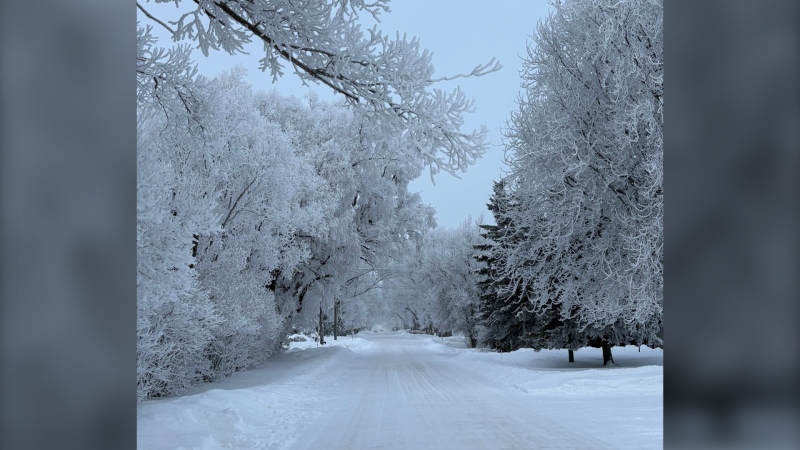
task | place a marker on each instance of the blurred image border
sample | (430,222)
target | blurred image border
(67,181)
(68,225)
(731,224)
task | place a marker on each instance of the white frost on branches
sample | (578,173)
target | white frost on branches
(586,159)
(323,41)
(252,210)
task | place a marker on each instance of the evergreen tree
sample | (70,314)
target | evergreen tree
(506,323)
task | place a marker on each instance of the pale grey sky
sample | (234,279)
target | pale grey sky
(461,34)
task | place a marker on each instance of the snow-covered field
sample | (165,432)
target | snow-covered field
(393,390)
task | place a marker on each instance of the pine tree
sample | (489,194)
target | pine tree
(508,320)
(502,314)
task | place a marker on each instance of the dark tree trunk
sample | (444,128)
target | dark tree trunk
(415,324)
(300,298)
(195,242)
(335,319)
(571,356)
(321,328)
(607,354)
(402,321)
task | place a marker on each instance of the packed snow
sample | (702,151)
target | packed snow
(396,390)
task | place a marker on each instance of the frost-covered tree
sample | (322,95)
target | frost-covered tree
(439,289)
(175,317)
(222,193)
(392,80)
(408,300)
(455,280)
(266,194)
(507,318)
(507,324)
(373,217)
(164,77)
(585,152)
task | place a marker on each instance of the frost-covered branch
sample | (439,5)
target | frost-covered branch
(153,18)
(391,80)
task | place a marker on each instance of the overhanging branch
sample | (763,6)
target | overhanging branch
(151,17)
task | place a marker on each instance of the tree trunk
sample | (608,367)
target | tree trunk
(607,354)
(415,324)
(402,321)
(321,328)
(335,318)
(571,356)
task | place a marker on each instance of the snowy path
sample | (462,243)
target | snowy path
(402,391)
(406,395)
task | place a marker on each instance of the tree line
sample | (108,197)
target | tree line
(255,210)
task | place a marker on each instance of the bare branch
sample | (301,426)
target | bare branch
(227,217)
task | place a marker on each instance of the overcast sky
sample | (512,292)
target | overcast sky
(461,34)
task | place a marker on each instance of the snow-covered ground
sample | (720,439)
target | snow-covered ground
(393,390)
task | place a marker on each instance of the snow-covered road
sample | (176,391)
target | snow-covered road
(404,394)
(403,391)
